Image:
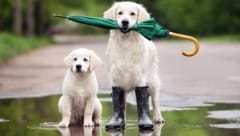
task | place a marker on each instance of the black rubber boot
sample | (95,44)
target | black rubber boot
(118,100)
(144,120)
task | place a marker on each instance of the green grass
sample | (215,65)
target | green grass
(11,45)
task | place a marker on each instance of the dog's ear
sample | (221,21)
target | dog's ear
(68,59)
(142,14)
(111,12)
(94,61)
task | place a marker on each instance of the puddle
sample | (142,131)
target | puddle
(186,116)
(230,117)
(226,125)
(225,114)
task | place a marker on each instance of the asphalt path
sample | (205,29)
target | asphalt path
(213,72)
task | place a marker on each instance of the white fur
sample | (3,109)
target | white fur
(79,102)
(133,59)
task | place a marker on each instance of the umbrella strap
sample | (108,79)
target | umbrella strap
(193,39)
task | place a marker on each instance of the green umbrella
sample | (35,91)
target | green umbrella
(149,28)
(94,21)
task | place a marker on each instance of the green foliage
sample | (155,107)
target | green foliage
(11,45)
(6,7)
(204,17)
(197,17)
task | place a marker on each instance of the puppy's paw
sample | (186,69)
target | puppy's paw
(158,118)
(88,124)
(97,122)
(64,123)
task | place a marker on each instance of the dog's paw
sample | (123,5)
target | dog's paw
(97,122)
(88,124)
(63,123)
(158,118)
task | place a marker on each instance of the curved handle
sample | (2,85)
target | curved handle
(193,39)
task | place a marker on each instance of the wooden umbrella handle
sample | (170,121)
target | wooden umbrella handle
(193,39)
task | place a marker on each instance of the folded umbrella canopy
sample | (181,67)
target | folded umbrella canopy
(149,29)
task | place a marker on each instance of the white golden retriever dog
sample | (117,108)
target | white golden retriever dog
(79,103)
(133,59)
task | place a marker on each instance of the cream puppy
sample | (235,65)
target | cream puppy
(79,103)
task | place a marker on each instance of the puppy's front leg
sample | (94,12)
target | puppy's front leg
(88,112)
(64,105)
(97,112)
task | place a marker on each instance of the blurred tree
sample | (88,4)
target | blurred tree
(227,16)
(202,17)
(17,17)
(40,16)
(30,18)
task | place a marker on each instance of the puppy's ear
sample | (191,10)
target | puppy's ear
(111,12)
(142,14)
(68,59)
(94,60)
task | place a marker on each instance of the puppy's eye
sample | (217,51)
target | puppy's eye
(85,59)
(75,59)
(120,13)
(132,14)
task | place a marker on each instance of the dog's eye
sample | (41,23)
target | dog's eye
(132,14)
(85,59)
(120,13)
(75,59)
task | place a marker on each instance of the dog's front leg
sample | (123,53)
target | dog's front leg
(97,112)
(156,109)
(88,112)
(64,105)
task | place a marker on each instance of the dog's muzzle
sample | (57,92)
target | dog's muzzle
(125,26)
(78,69)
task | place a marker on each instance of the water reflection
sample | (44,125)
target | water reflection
(40,116)
(80,131)
(156,132)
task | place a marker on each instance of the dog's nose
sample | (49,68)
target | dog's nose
(78,67)
(125,22)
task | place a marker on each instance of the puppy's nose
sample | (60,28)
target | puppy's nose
(125,22)
(78,67)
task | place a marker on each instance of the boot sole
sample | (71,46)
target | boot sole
(115,127)
(146,127)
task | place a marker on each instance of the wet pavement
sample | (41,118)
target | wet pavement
(40,116)
(214,71)
(200,95)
